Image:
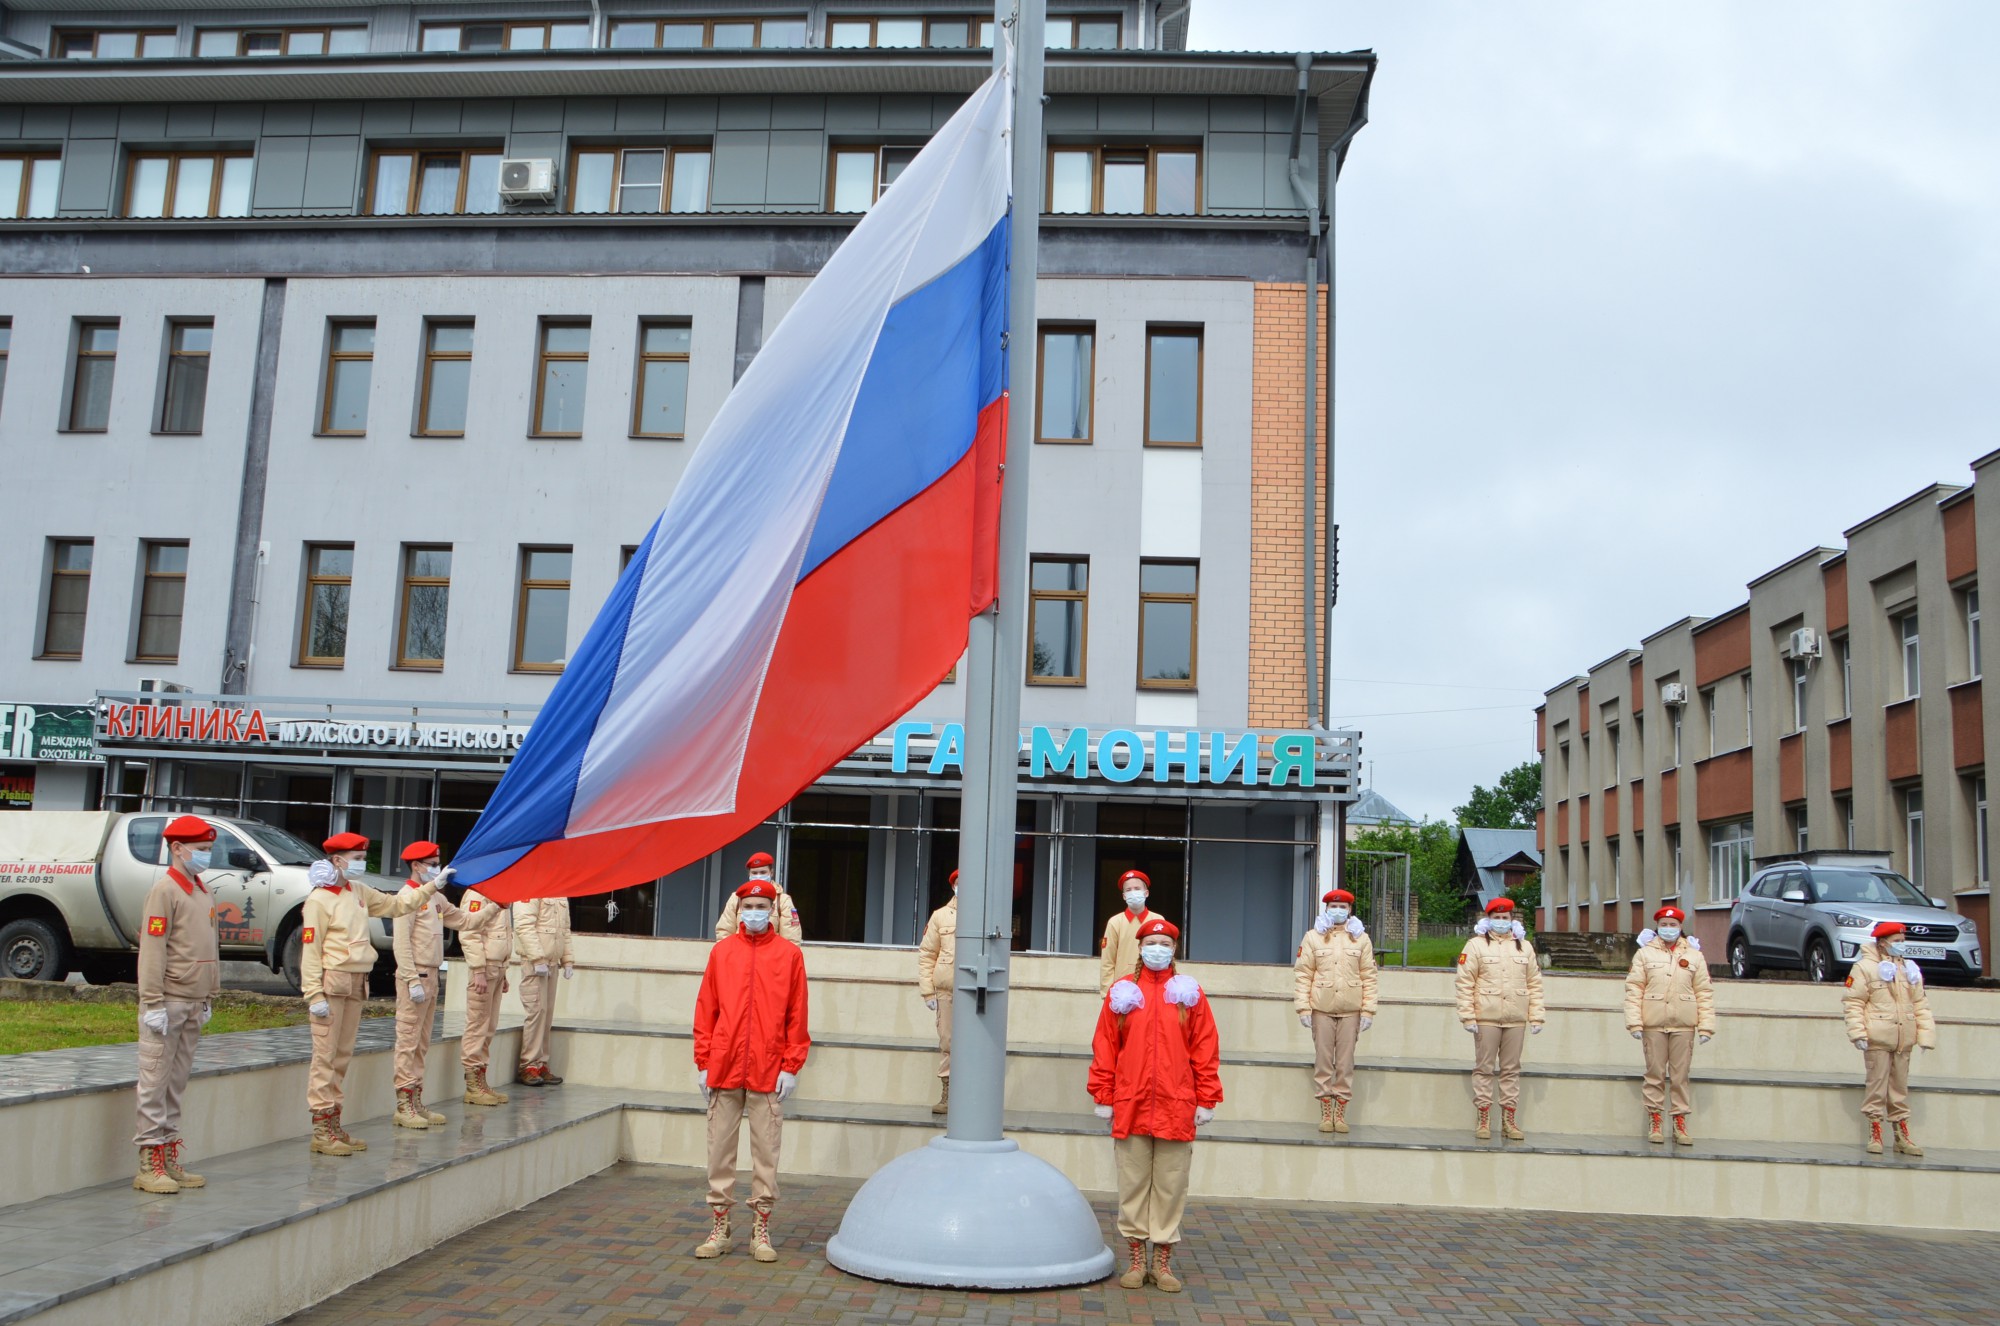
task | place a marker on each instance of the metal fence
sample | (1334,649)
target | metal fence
(1380,883)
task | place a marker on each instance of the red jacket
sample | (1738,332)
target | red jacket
(750,1017)
(1154,1065)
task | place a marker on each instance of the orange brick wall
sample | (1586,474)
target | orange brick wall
(1280,694)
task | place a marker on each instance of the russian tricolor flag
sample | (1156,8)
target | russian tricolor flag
(814,573)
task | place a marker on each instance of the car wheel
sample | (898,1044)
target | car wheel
(1740,965)
(1819,961)
(291,960)
(32,949)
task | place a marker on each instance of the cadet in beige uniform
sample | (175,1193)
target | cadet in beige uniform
(541,938)
(418,943)
(937,957)
(487,937)
(178,978)
(1669,1005)
(1888,1016)
(1118,951)
(762,866)
(1333,992)
(1500,1003)
(338,955)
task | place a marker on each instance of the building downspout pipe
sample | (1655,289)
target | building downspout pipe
(1309,198)
(1327,278)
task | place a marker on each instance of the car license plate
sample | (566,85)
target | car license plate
(1928,952)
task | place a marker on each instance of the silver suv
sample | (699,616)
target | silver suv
(1815,910)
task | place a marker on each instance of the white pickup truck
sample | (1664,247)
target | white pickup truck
(72,884)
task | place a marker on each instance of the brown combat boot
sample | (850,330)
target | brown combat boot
(1508,1128)
(174,1170)
(1326,1114)
(1163,1269)
(1135,1264)
(354,1143)
(548,1079)
(326,1139)
(1657,1135)
(1681,1133)
(476,1090)
(1905,1144)
(430,1116)
(406,1115)
(152,1176)
(760,1238)
(1339,1115)
(1484,1132)
(717,1241)
(530,1076)
(943,1105)
(1874,1137)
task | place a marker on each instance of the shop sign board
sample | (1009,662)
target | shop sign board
(217,725)
(58,733)
(1123,755)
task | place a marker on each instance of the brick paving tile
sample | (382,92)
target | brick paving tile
(616,1250)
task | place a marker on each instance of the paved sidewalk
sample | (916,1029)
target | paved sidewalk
(615,1250)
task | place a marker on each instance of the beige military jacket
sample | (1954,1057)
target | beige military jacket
(1500,983)
(1119,949)
(335,935)
(1334,974)
(937,954)
(177,943)
(1892,1012)
(541,932)
(788,918)
(487,937)
(1668,989)
(417,938)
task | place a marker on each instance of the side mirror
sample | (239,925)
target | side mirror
(1938,903)
(242,858)
(1793,895)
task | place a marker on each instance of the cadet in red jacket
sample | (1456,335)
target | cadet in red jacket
(1155,1073)
(750,1042)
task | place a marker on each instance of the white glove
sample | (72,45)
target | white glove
(701,1080)
(1472,1027)
(569,971)
(1535,1030)
(441,876)
(541,969)
(1306,1021)
(417,995)
(931,1004)
(1103,1111)
(154,1020)
(1862,1045)
(207,1012)
(1638,1035)
(1366,1021)
(787,1084)
(319,1008)
(1203,1115)
(1703,1038)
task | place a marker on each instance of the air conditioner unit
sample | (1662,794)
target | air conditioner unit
(528,179)
(1804,643)
(1673,693)
(156,686)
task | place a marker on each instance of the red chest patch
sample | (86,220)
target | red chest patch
(1684,962)
(156,926)
(307,937)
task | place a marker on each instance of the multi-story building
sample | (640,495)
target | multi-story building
(1838,707)
(348,352)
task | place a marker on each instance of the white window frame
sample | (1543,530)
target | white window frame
(1844,807)
(1913,835)
(1800,828)
(1972,631)
(1846,677)
(1798,695)
(1611,736)
(1708,713)
(1617,873)
(1907,633)
(1979,839)
(1677,738)
(1680,881)
(1729,850)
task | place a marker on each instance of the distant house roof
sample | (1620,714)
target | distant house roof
(1486,857)
(1371,807)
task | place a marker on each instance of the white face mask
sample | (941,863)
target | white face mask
(761,872)
(1135,899)
(1157,957)
(353,868)
(756,919)
(199,858)
(1896,947)
(1337,914)
(1670,933)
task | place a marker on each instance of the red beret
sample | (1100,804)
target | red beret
(1338,895)
(764,859)
(954,878)
(1500,905)
(346,842)
(1139,875)
(1159,925)
(421,851)
(758,888)
(188,829)
(1884,929)
(1670,912)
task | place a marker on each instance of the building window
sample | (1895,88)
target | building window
(1679,880)
(350,368)
(1611,739)
(1913,834)
(861,174)
(1562,769)
(188,184)
(1728,860)
(115,44)
(1799,827)
(1617,856)
(1979,838)
(561,370)
(161,594)
(1058,620)
(1749,730)
(185,399)
(426,601)
(541,625)
(447,379)
(1972,631)
(949,32)
(437,182)
(1082,32)
(1708,715)
(1067,377)
(1677,738)
(1124,181)
(329,585)
(659,397)
(531,36)
(90,382)
(1906,632)
(1173,387)
(1846,651)
(1168,619)
(280,41)
(69,597)
(1798,666)
(28,184)
(1843,810)
(710,33)
(6,349)
(639,179)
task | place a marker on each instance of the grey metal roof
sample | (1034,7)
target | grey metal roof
(1490,849)
(1371,807)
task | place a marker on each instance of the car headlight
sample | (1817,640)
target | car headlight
(1969,930)
(1849,922)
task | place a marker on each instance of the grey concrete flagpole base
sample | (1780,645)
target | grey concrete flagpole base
(971,1215)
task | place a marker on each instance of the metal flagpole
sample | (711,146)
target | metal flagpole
(972,1210)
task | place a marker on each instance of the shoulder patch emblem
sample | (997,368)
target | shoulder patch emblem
(1850,980)
(472,906)
(1104,943)
(156,925)
(307,937)
(1461,959)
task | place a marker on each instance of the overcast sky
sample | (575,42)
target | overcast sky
(1637,301)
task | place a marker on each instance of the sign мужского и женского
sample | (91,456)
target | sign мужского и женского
(56,733)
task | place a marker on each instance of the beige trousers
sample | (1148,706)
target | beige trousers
(1152,1187)
(1669,1056)
(1333,1054)
(1497,1050)
(482,1018)
(944,1032)
(414,1022)
(164,1064)
(333,1037)
(726,1112)
(1887,1095)
(538,997)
